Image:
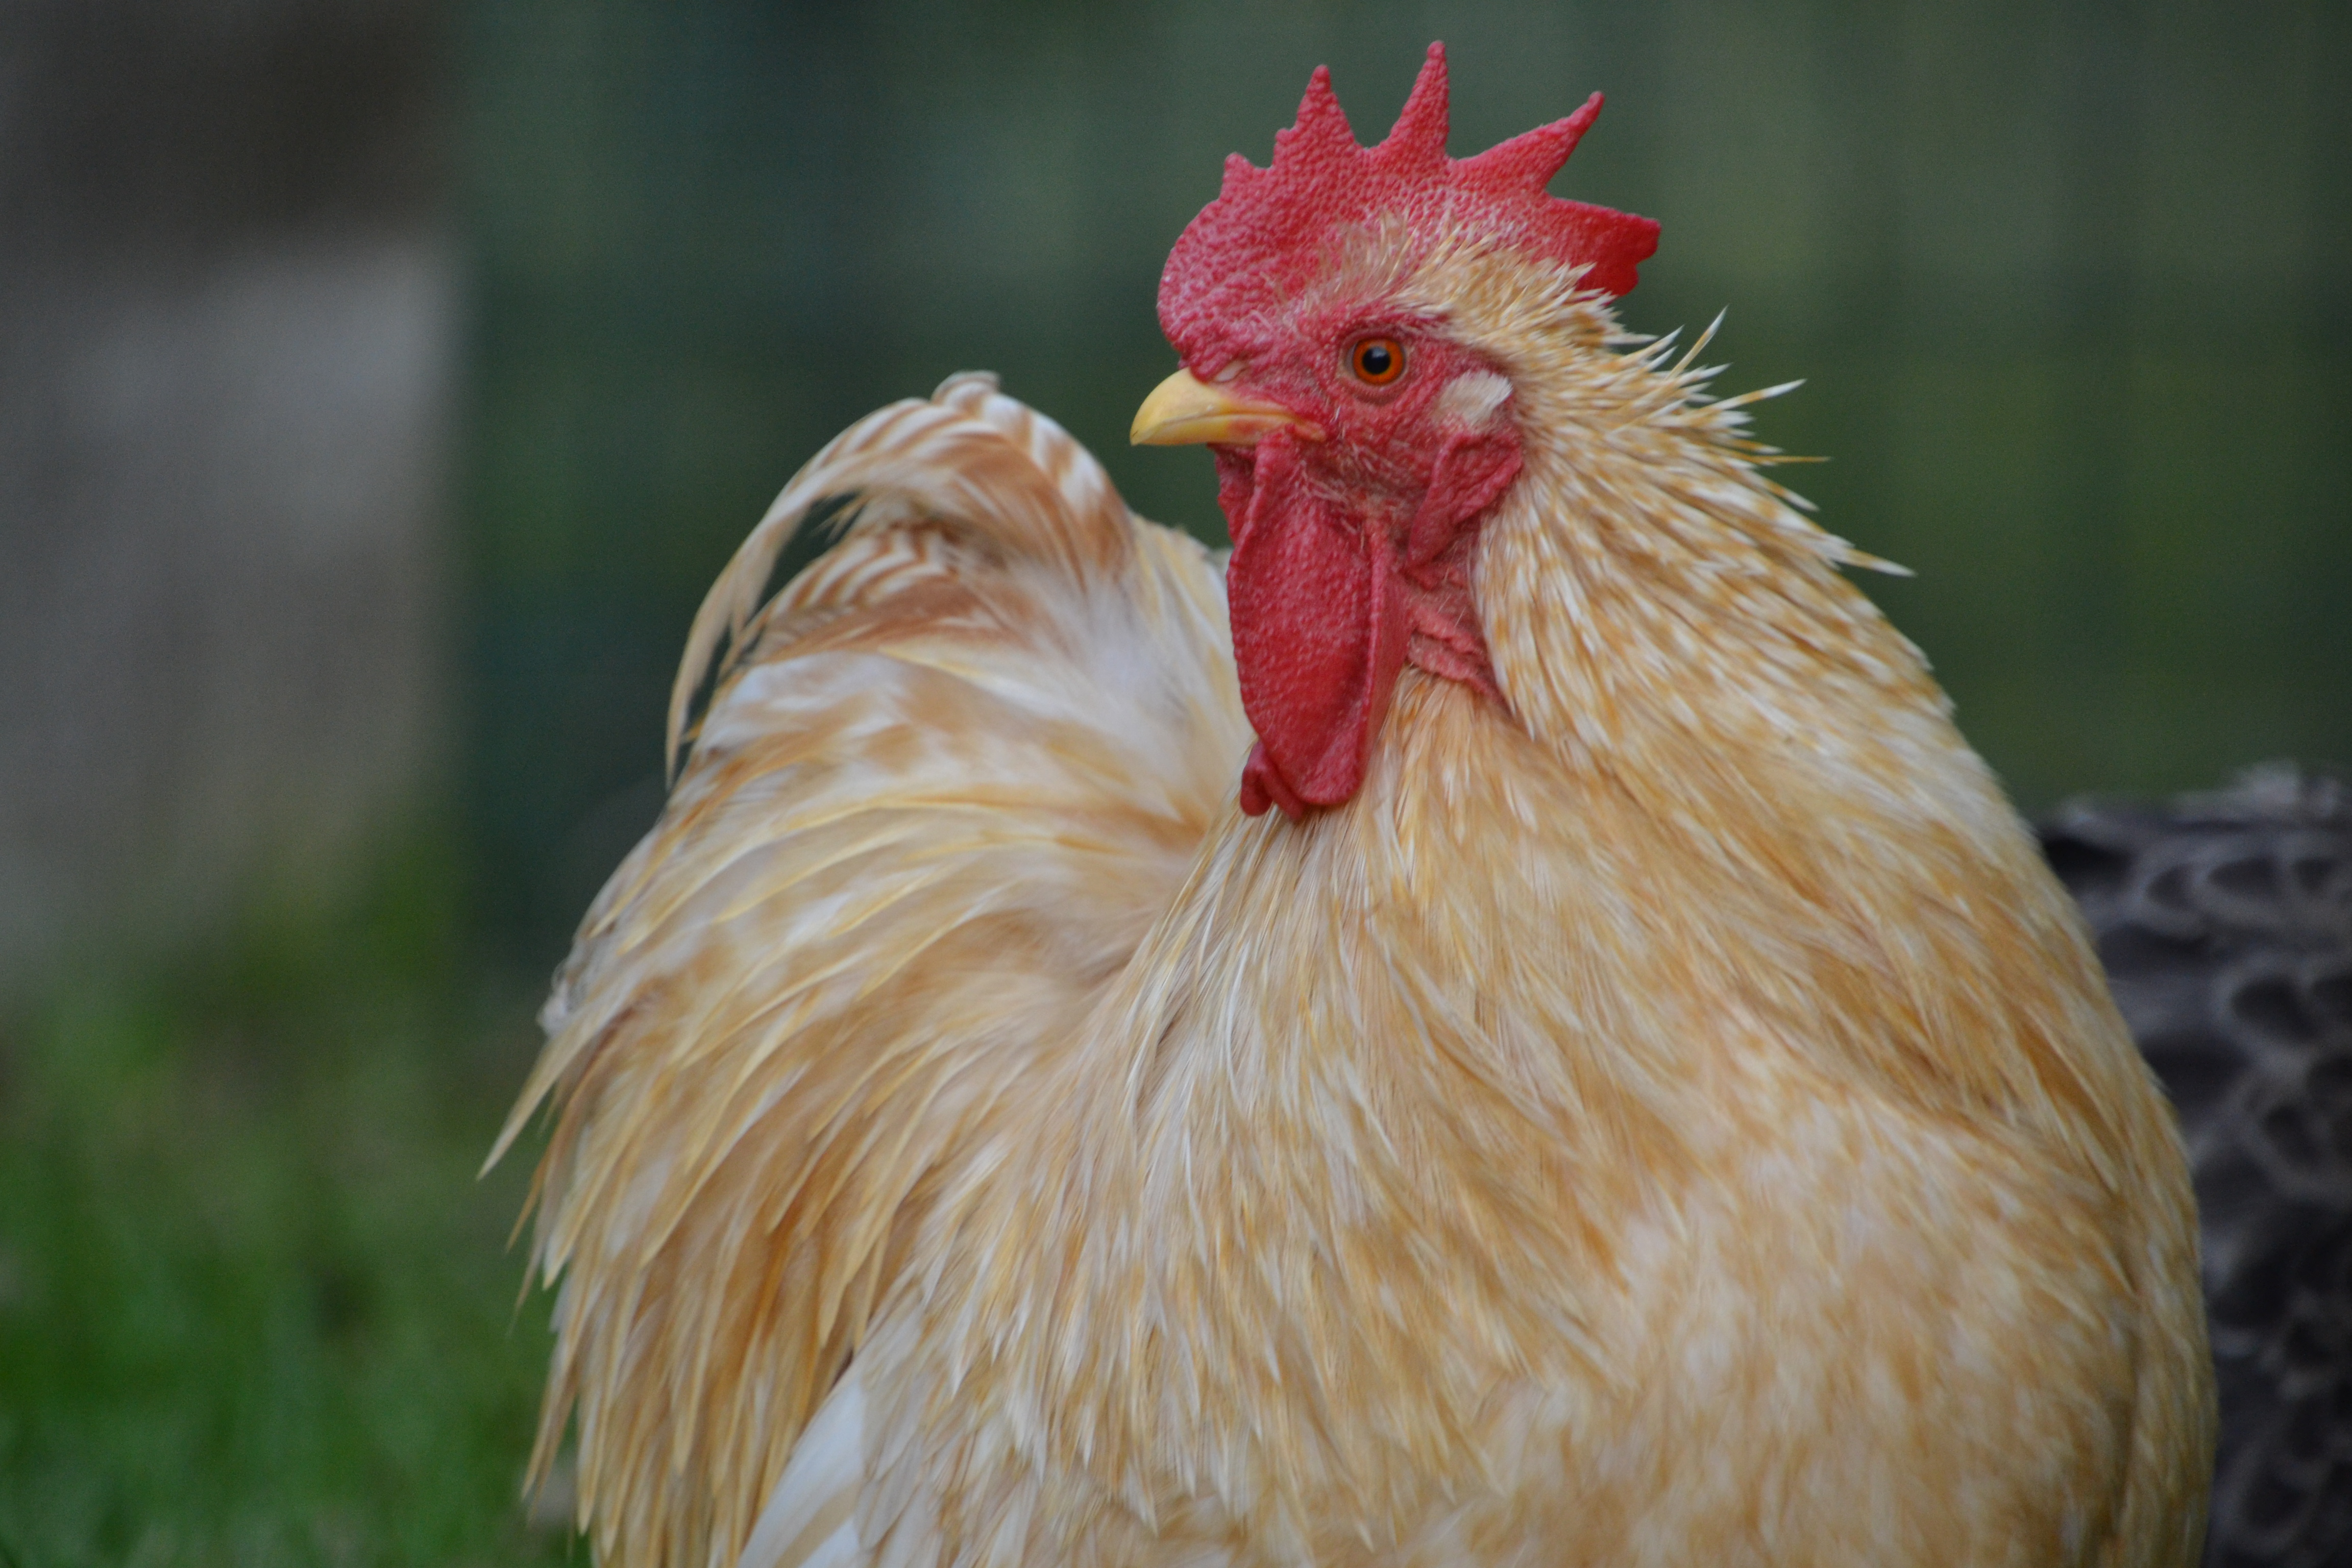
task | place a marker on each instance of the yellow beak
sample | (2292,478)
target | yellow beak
(1182,411)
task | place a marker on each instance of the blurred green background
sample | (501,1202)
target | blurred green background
(382,382)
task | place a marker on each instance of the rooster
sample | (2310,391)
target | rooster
(1509,1029)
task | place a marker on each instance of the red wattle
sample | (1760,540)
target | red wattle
(1319,638)
(1262,787)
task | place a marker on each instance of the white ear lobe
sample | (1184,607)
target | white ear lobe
(1470,401)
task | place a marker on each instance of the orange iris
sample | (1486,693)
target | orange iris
(1377,361)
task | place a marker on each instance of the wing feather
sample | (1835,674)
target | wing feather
(947,779)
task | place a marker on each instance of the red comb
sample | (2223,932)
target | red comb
(1267,231)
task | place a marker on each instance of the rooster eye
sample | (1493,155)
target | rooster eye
(1377,361)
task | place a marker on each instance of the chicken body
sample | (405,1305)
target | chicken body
(1662,1110)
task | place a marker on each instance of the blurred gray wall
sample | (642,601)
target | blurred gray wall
(228,339)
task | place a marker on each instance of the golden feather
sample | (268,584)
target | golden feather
(913,837)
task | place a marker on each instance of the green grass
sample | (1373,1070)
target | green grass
(255,1306)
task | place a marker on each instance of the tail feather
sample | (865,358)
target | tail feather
(1005,471)
(946,780)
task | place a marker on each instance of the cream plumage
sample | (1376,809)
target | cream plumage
(1662,1110)
(948,781)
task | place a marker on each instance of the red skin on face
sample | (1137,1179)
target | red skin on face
(1354,534)
(1352,554)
